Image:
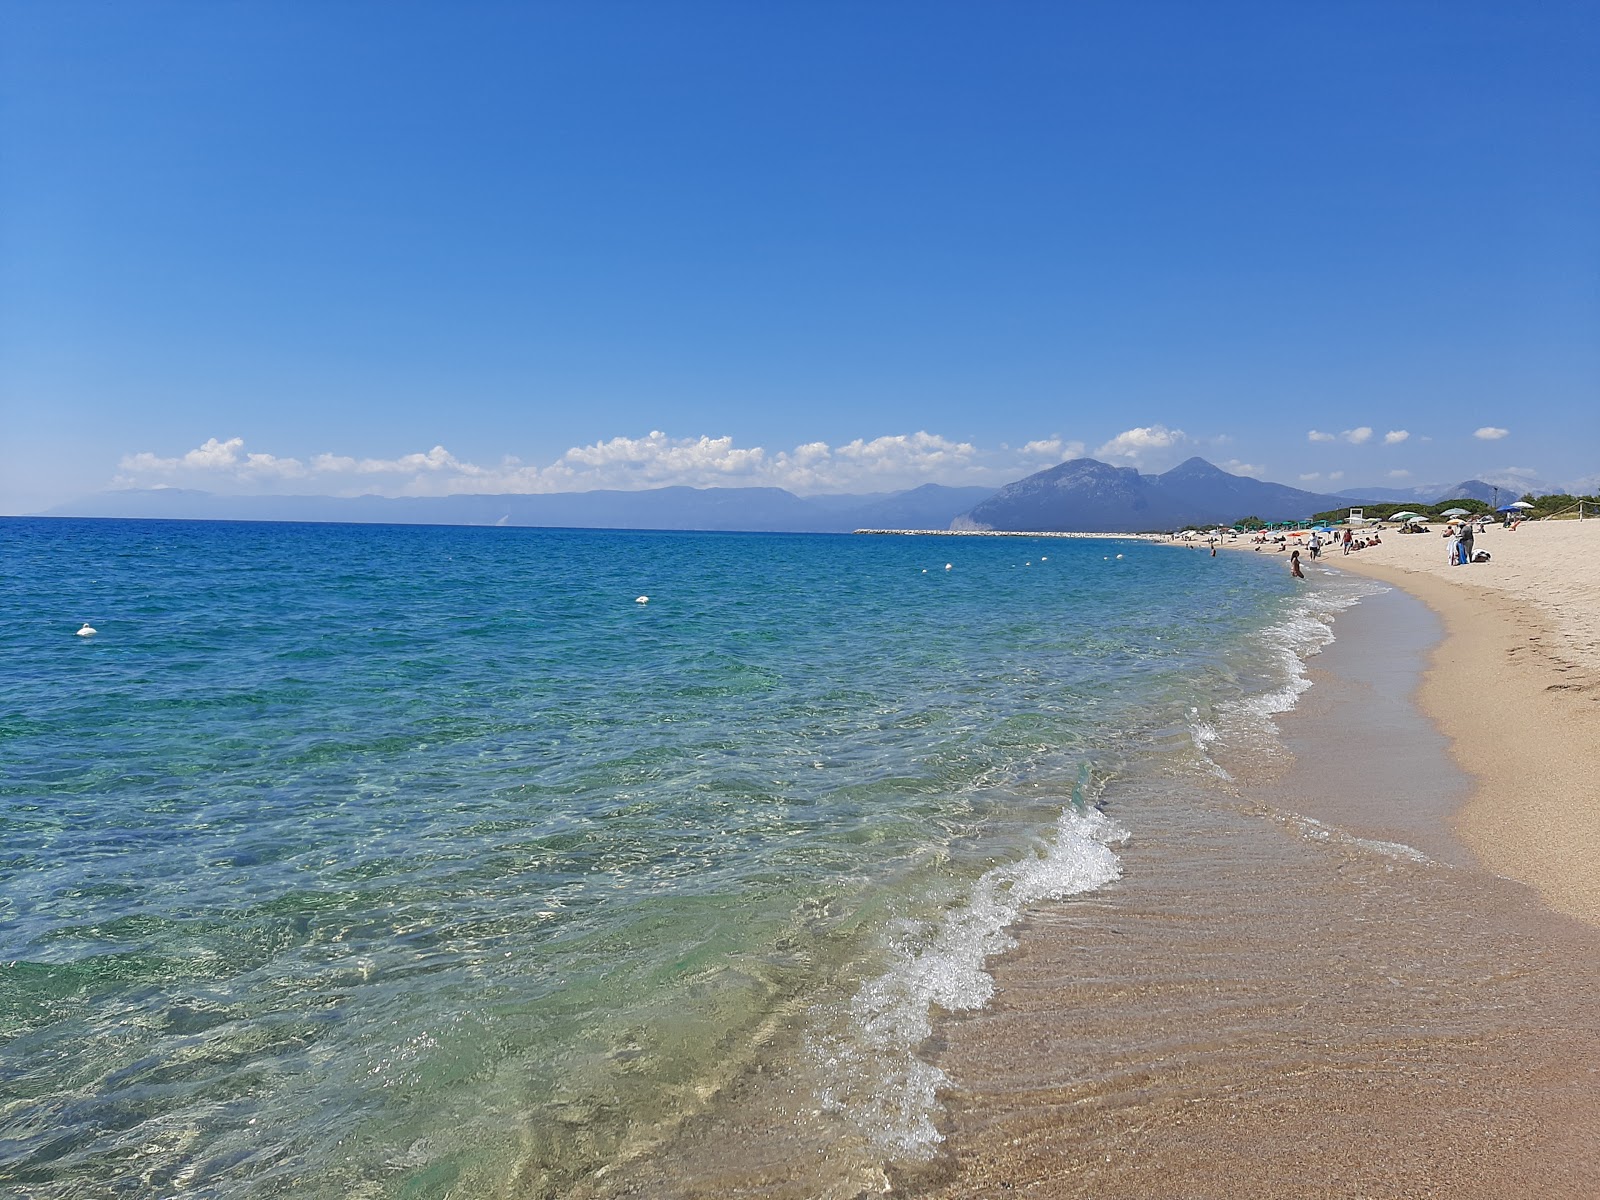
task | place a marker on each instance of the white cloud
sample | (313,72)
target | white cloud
(1335,476)
(883,463)
(1135,444)
(1400,474)
(1054,449)
(657,461)
(1395,436)
(211,455)
(437,459)
(1307,478)
(1356,437)
(1490,433)
(214,455)
(1234,467)
(887,463)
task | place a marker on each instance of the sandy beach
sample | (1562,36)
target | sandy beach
(1515,685)
(1361,967)
(1244,1017)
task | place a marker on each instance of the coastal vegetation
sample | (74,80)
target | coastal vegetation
(1562,505)
(1385,511)
(1550,505)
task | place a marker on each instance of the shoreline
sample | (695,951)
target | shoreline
(1008,533)
(1319,1013)
(1514,684)
(1306,982)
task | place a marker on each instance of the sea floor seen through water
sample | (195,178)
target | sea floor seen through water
(403,861)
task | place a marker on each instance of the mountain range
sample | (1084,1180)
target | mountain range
(1093,497)
(758,509)
(1083,494)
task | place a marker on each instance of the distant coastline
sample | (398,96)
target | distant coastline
(1017,533)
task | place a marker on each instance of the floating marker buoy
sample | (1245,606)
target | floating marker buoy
(924,570)
(642,600)
(947,566)
(88,630)
(1119,556)
(1044,558)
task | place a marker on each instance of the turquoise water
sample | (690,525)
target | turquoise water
(393,861)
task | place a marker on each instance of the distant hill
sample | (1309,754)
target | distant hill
(1095,497)
(931,506)
(772,510)
(1083,494)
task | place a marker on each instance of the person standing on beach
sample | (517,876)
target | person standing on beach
(1466,541)
(1294,565)
(1348,538)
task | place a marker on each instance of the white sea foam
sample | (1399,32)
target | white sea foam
(1281,652)
(1390,849)
(871,1068)
(1317,831)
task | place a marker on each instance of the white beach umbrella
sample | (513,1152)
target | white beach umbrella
(1454,512)
(1519,504)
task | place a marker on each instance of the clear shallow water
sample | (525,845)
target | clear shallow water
(364,860)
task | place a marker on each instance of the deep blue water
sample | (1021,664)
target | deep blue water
(373,860)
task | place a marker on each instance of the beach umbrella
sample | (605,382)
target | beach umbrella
(1520,504)
(1408,515)
(1454,512)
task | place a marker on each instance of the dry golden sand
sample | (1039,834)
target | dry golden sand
(1515,685)
(1549,568)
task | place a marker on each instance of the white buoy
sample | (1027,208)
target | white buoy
(88,630)
(1044,558)
(924,570)
(947,566)
(1119,556)
(642,600)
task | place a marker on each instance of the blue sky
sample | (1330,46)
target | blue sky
(421,248)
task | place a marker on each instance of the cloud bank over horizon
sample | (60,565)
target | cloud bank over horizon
(888,463)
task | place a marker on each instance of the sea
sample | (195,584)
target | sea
(368,861)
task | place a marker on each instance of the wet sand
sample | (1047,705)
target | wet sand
(1356,969)
(1515,685)
(1279,1000)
